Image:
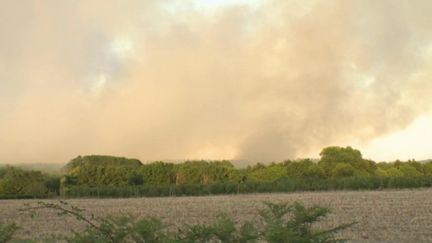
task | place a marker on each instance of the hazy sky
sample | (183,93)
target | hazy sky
(189,79)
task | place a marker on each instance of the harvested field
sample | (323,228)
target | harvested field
(382,216)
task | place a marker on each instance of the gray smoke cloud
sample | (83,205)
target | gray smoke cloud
(168,80)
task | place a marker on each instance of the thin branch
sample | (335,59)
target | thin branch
(74,211)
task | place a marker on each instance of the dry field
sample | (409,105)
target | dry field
(382,216)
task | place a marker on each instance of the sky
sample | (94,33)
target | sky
(254,81)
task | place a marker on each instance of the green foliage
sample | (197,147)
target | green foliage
(381,172)
(158,173)
(297,227)
(149,230)
(135,180)
(334,156)
(418,166)
(18,182)
(314,171)
(3,171)
(278,223)
(333,171)
(342,170)
(268,173)
(427,169)
(223,230)
(7,231)
(409,170)
(394,172)
(108,176)
(109,229)
(203,172)
(340,155)
(67,181)
(102,160)
(99,170)
(52,183)
(286,184)
(191,172)
(297,169)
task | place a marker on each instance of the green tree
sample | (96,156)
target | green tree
(53,185)
(191,172)
(97,170)
(381,172)
(17,182)
(158,173)
(135,180)
(394,172)
(331,156)
(204,172)
(314,171)
(427,168)
(409,170)
(268,173)
(343,170)
(298,169)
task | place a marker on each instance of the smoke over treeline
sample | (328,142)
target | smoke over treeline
(164,80)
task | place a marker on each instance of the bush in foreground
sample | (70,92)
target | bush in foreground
(278,223)
(7,231)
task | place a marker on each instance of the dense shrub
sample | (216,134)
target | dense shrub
(106,176)
(52,183)
(409,170)
(282,185)
(7,231)
(135,179)
(268,173)
(16,182)
(297,226)
(342,170)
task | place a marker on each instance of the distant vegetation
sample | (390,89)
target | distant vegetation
(106,176)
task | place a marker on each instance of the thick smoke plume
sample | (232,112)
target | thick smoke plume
(163,80)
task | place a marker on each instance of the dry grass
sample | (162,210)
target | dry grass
(382,216)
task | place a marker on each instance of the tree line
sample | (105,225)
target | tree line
(108,176)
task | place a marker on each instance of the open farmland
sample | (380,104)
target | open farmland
(382,216)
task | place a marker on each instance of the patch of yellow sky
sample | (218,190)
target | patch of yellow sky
(412,142)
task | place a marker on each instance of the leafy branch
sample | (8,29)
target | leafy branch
(279,222)
(64,208)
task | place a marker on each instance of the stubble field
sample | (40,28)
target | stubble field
(382,216)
